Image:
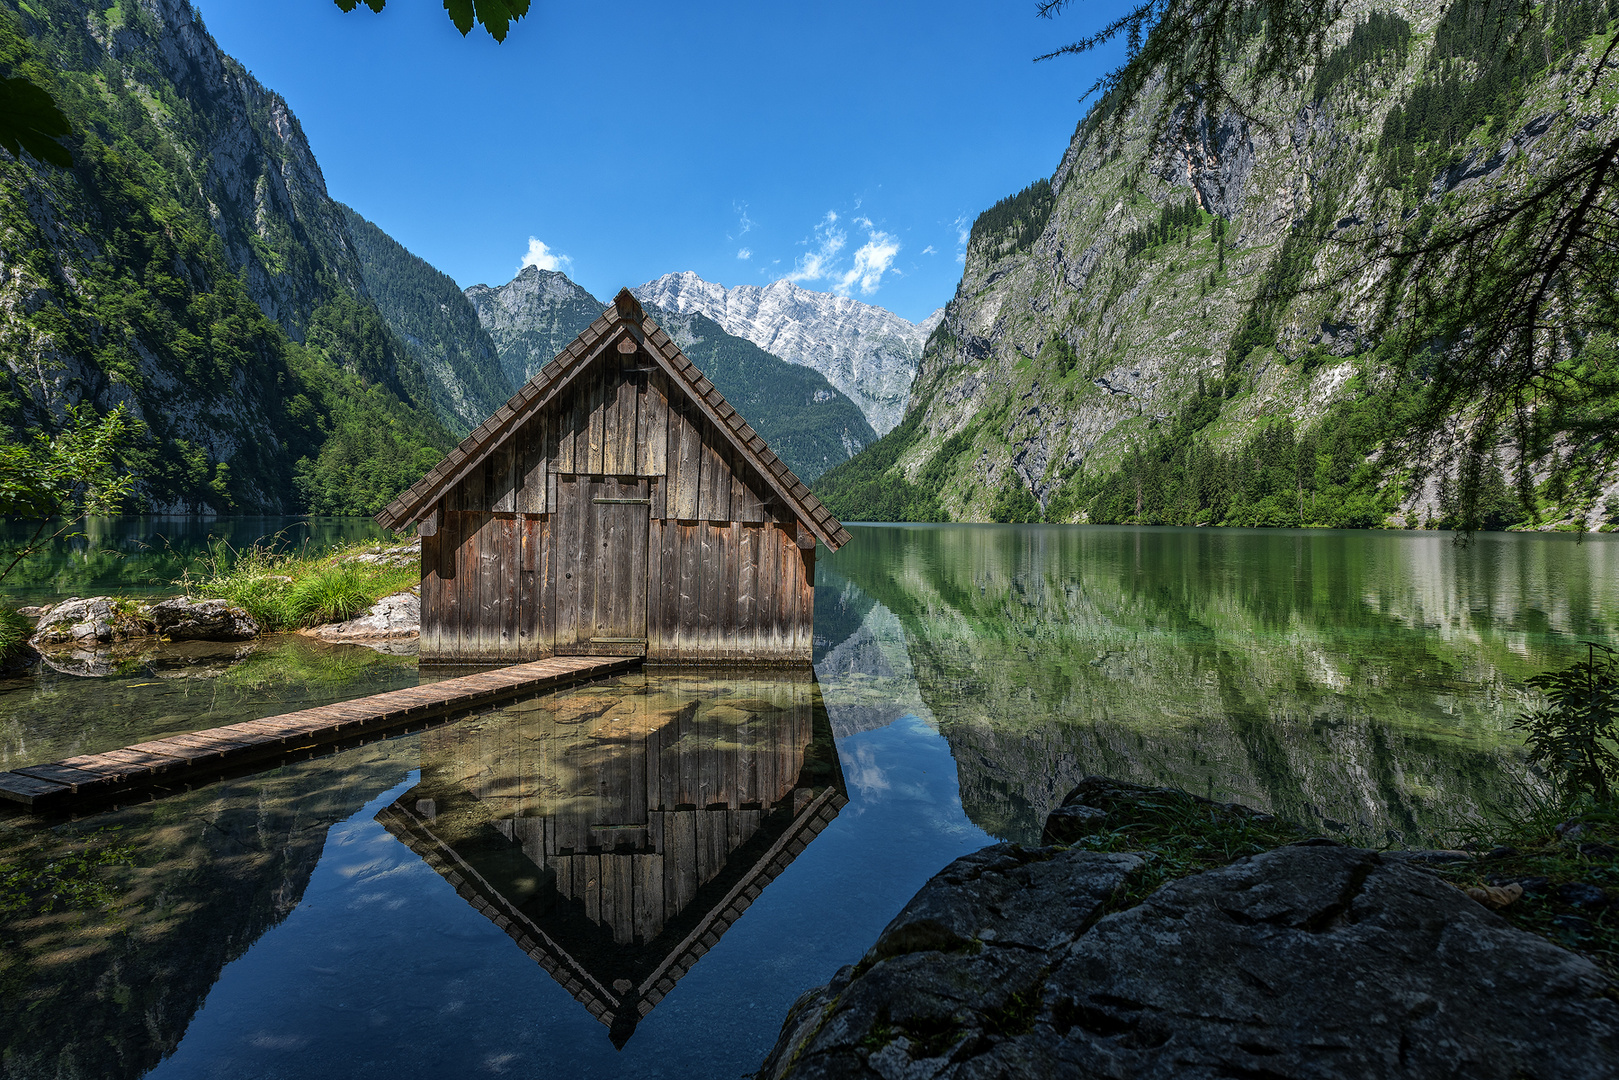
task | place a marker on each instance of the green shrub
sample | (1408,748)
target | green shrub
(287,591)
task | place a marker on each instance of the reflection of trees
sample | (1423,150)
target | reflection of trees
(1363,679)
(145,555)
(109,993)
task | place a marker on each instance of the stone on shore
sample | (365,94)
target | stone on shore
(1308,961)
(203,620)
(388,626)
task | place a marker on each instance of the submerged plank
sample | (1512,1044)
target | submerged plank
(178,758)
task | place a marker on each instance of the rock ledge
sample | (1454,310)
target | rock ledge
(1308,961)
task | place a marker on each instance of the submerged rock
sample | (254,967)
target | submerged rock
(388,626)
(1310,960)
(203,620)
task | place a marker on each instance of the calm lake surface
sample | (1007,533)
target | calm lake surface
(145,556)
(637,878)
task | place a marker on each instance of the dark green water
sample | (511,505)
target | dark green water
(144,556)
(1362,679)
(309,921)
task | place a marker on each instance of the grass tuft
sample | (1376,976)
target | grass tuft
(330,594)
(15,630)
(289,590)
(1177,834)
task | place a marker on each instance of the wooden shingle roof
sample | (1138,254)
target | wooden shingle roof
(623,318)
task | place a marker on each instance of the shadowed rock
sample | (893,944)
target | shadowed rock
(202,620)
(1312,960)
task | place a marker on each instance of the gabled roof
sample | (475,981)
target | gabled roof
(623,318)
(577,965)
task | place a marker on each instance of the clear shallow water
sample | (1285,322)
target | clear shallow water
(132,555)
(305,921)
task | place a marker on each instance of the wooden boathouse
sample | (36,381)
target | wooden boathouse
(616,506)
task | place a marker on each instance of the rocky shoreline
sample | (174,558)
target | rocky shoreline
(1311,959)
(81,636)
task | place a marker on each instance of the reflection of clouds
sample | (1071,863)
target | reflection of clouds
(263,1040)
(863,774)
(498,1063)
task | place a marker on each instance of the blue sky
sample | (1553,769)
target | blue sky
(846,145)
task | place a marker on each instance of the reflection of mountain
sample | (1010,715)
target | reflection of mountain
(109,992)
(617,832)
(1367,679)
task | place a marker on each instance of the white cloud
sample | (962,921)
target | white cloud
(744,253)
(930,250)
(871,261)
(543,257)
(817,263)
(964,229)
(823,261)
(744,222)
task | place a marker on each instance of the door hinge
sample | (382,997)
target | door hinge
(618,641)
(643,501)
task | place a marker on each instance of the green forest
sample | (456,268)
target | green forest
(155,311)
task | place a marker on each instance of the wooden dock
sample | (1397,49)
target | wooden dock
(178,760)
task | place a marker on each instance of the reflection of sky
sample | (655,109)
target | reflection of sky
(382,970)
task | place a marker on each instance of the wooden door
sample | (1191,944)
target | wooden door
(600,537)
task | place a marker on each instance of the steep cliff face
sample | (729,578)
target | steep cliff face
(1222,268)
(866,352)
(439,325)
(193,267)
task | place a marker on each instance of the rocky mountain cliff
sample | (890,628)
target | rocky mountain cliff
(809,424)
(866,352)
(1158,332)
(532,317)
(193,267)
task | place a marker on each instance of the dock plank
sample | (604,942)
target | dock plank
(55,785)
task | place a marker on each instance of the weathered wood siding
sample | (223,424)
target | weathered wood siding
(615,516)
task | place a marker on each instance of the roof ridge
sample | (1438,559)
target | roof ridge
(625,312)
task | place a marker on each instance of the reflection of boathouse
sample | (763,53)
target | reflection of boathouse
(615,833)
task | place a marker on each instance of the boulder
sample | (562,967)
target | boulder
(390,619)
(97,620)
(203,620)
(1309,961)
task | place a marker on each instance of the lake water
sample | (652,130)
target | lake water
(145,556)
(637,878)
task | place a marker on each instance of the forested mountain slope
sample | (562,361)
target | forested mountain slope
(427,309)
(192,265)
(1184,324)
(805,419)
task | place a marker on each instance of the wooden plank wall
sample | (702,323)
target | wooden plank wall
(725,579)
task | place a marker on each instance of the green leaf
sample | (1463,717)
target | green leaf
(30,120)
(460,14)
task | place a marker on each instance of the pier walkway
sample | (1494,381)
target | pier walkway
(172,763)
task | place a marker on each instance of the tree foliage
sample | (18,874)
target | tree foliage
(66,475)
(30,120)
(495,16)
(1576,733)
